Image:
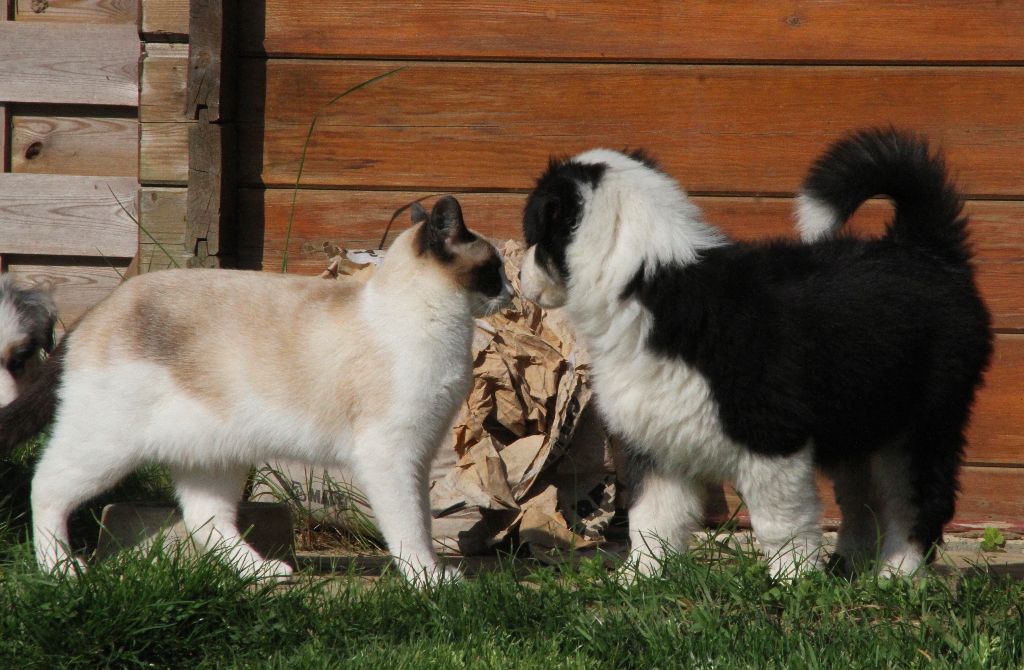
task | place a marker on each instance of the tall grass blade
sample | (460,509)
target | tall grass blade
(305,149)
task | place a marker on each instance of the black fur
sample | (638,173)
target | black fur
(554,201)
(33,409)
(849,343)
(443,228)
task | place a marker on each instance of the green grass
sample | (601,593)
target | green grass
(713,610)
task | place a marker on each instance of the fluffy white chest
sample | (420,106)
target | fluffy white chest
(665,409)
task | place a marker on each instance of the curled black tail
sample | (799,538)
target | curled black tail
(28,414)
(892,163)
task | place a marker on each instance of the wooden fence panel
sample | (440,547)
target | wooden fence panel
(735,129)
(61,215)
(69,63)
(78,11)
(44,142)
(659,30)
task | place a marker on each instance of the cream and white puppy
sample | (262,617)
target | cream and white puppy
(212,371)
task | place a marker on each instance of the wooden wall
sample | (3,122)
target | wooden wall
(735,100)
(69,145)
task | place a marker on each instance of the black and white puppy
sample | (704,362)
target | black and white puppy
(756,362)
(27,318)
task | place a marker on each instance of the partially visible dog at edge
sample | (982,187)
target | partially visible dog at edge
(758,362)
(210,372)
(27,319)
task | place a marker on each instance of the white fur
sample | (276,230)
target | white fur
(662,408)
(815,220)
(114,417)
(10,331)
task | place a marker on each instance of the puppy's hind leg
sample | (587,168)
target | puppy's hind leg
(784,509)
(917,481)
(860,533)
(209,507)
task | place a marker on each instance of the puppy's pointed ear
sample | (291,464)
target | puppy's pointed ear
(417,214)
(444,228)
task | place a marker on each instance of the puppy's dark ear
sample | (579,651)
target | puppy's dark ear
(417,213)
(39,315)
(444,228)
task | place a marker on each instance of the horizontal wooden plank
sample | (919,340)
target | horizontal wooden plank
(60,215)
(164,20)
(75,145)
(989,496)
(163,153)
(163,82)
(162,220)
(78,11)
(736,129)
(69,63)
(78,284)
(996,434)
(356,219)
(659,30)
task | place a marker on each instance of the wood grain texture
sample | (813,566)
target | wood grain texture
(78,11)
(996,434)
(69,63)
(163,154)
(163,82)
(356,219)
(718,129)
(162,217)
(660,30)
(75,145)
(164,20)
(78,283)
(61,215)
(5,156)
(989,496)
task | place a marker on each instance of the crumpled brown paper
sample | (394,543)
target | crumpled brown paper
(517,470)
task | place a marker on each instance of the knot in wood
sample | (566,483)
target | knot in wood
(33,150)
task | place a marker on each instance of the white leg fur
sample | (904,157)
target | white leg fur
(209,507)
(396,489)
(63,481)
(890,472)
(861,530)
(666,509)
(784,510)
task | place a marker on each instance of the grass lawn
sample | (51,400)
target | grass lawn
(715,610)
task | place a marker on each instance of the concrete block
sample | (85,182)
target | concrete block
(267,527)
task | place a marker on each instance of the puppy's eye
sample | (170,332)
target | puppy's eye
(19,358)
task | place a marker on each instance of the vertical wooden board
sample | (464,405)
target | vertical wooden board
(78,11)
(163,82)
(163,153)
(75,145)
(5,129)
(162,220)
(164,20)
